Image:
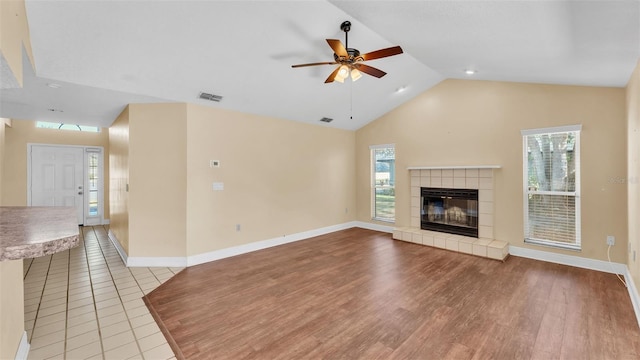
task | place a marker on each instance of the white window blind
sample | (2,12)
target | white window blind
(552,186)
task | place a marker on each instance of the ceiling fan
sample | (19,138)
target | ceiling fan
(350,61)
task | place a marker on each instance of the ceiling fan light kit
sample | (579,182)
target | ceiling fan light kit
(350,61)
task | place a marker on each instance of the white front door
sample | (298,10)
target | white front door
(57,177)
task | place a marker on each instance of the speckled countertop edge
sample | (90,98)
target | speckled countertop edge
(28,232)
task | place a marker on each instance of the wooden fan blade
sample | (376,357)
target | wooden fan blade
(370,70)
(314,64)
(333,75)
(337,47)
(395,50)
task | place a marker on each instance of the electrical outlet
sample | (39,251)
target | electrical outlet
(237,227)
(611,240)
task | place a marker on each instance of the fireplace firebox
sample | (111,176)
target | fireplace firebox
(453,211)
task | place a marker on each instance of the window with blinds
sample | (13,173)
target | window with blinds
(552,186)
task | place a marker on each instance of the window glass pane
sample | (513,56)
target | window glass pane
(93,184)
(385,203)
(385,160)
(552,165)
(384,179)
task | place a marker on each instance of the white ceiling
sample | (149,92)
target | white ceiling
(106,54)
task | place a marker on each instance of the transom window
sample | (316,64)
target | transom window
(63,126)
(383,179)
(552,186)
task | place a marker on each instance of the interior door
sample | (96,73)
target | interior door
(57,177)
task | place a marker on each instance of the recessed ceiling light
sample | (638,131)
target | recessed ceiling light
(401,89)
(54,85)
(470,72)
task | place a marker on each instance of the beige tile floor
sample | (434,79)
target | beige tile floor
(85,304)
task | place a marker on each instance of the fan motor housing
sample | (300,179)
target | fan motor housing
(353,55)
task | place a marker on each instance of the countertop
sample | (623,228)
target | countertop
(29,232)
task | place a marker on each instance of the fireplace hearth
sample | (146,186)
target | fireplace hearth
(453,211)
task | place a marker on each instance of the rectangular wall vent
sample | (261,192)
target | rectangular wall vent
(326,119)
(210,97)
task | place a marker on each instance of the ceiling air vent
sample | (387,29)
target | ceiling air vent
(210,97)
(326,119)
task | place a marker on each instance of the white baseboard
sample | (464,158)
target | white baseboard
(633,294)
(264,244)
(135,261)
(585,263)
(116,243)
(376,227)
(23,348)
(106,221)
(156,261)
(592,264)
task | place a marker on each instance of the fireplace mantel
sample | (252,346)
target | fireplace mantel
(453,167)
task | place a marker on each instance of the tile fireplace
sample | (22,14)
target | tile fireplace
(457,212)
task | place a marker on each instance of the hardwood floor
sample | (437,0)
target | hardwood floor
(358,294)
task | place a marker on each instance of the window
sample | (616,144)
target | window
(383,179)
(93,188)
(62,126)
(552,186)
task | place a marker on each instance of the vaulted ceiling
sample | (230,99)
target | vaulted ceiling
(103,55)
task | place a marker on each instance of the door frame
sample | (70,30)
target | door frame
(86,150)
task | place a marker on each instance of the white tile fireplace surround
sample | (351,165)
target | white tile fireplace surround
(455,177)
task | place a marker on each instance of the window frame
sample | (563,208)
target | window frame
(576,130)
(374,187)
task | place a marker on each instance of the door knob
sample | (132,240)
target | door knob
(79,192)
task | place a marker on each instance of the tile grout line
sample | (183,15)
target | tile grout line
(66,315)
(35,319)
(93,295)
(118,292)
(26,273)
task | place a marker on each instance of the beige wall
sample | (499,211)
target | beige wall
(157,180)
(11,287)
(633,172)
(280,177)
(461,122)
(24,132)
(4,123)
(119,178)
(14,33)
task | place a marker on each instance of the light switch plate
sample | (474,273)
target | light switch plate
(218,186)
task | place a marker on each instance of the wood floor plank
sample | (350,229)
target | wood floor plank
(358,294)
